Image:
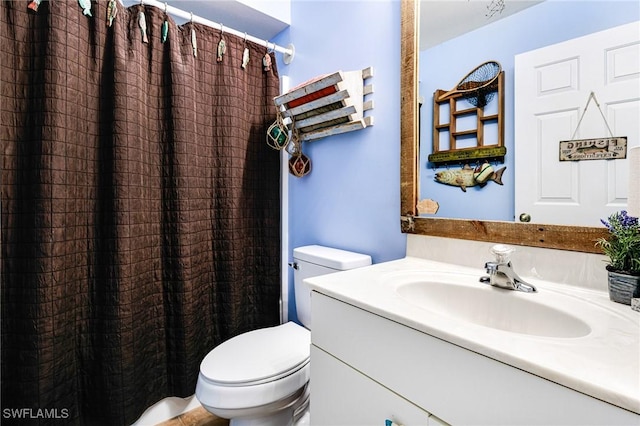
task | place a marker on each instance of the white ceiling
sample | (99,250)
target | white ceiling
(442,20)
(241,15)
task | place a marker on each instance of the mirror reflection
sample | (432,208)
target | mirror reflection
(524,180)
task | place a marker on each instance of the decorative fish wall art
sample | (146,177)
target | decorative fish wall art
(86,7)
(266,62)
(222,49)
(245,58)
(165,31)
(34,5)
(142,23)
(194,43)
(112,12)
(467,176)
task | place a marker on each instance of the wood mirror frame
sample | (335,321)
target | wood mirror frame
(576,238)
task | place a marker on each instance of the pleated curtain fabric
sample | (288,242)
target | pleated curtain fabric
(140,208)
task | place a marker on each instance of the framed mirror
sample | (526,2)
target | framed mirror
(576,238)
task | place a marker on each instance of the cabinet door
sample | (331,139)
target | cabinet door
(341,395)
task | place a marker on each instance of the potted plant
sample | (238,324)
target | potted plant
(623,249)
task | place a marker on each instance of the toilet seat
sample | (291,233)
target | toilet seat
(258,356)
(255,368)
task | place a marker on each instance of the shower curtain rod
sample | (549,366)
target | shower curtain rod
(288,52)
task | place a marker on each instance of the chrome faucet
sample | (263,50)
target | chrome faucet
(501,273)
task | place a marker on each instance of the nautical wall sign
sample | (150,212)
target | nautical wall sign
(593,149)
(468,154)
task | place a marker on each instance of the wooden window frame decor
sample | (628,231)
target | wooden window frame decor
(329,104)
(454,155)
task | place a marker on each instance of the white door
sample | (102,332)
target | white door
(552,87)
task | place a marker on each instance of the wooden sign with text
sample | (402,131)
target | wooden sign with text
(593,149)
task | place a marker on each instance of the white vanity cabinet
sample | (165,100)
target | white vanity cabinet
(366,369)
(349,398)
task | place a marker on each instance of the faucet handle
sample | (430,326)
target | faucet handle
(502,253)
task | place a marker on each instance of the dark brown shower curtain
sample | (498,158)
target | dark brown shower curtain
(140,209)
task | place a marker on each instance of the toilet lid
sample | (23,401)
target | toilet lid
(258,356)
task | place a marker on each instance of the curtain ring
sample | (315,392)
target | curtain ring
(245,36)
(221,28)
(191,17)
(165,7)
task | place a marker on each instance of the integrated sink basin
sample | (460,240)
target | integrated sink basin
(462,297)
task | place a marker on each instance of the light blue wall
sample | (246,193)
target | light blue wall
(443,66)
(351,198)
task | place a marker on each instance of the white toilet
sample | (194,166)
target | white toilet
(262,377)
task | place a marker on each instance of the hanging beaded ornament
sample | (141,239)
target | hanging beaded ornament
(299,164)
(278,134)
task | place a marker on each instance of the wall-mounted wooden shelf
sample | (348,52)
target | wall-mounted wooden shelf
(454,154)
(329,104)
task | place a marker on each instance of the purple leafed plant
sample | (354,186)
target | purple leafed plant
(623,244)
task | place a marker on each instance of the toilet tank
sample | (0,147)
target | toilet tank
(313,261)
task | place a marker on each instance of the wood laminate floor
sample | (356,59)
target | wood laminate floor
(196,417)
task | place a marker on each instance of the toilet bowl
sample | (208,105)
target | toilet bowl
(262,377)
(256,376)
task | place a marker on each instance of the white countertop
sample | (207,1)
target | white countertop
(604,364)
